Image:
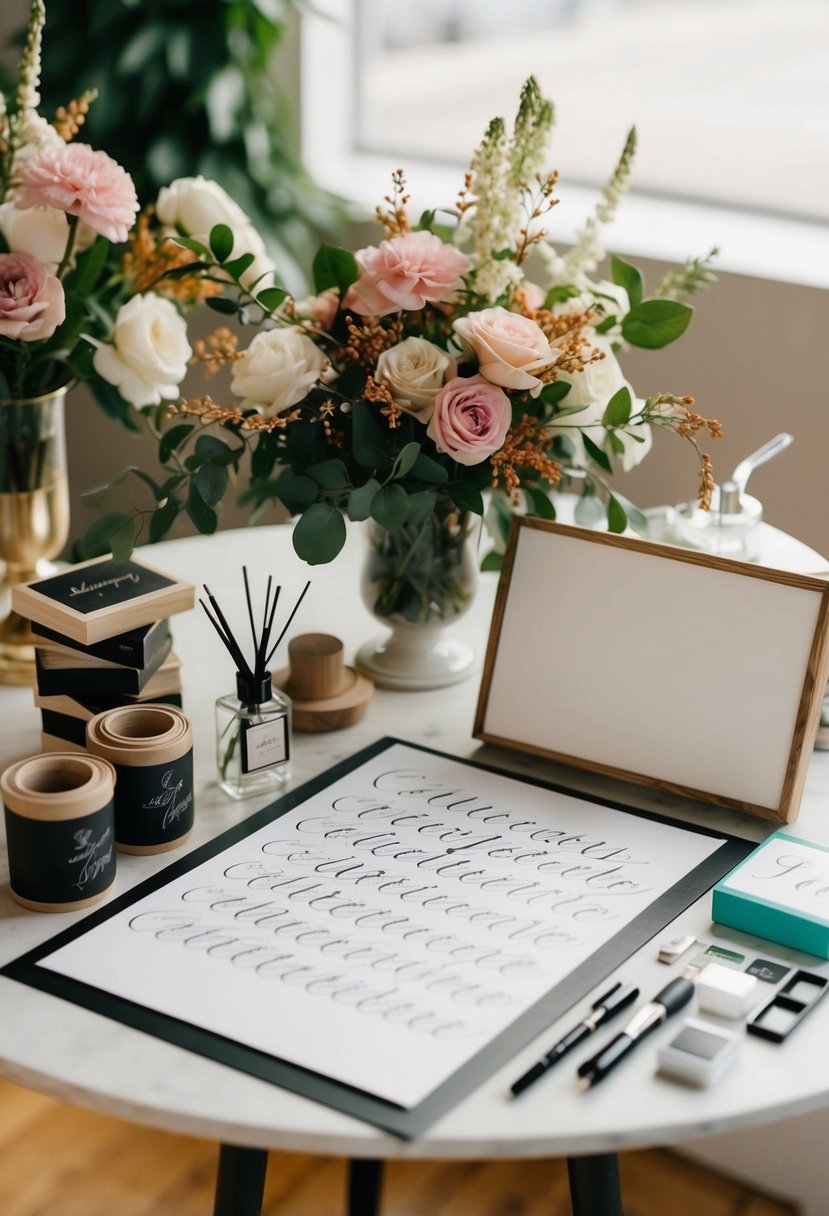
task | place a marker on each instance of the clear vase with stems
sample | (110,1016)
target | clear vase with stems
(418,580)
(34,513)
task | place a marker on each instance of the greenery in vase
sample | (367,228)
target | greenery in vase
(431,368)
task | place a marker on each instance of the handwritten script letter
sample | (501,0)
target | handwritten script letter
(386,929)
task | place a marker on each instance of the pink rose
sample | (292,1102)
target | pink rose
(405,272)
(508,346)
(471,419)
(80,181)
(32,305)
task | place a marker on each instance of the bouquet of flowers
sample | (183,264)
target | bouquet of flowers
(430,371)
(71,309)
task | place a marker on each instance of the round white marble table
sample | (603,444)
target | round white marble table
(63,1050)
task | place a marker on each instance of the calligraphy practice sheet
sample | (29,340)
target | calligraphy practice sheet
(388,927)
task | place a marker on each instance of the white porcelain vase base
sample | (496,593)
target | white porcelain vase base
(415,659)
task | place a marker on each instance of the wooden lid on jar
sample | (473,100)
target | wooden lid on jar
(139,735)
(57,786)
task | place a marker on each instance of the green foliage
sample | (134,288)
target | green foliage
(185,88)
(655,323)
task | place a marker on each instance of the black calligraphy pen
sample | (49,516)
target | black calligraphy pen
(673,997)
(606,1007)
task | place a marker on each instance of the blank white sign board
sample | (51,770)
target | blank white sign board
(665,666)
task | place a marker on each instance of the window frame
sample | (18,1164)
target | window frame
(660,226)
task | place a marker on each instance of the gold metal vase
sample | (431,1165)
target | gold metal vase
(34,514)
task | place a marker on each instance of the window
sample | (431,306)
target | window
(728,97)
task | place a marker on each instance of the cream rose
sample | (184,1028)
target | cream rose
(593,389)
(194,205)
(41,232)
(414,370)
(277,370)
(508,346)
(148,353)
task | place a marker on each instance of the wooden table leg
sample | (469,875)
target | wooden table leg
(240,1183)
(365,1179)
(594,1185)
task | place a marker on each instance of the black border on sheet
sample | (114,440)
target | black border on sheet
(406,1123)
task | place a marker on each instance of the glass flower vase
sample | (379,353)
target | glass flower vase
(34,513)
(418,580)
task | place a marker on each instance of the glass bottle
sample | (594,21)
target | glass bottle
(253,738)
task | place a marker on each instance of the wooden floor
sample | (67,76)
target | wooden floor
(57,1160)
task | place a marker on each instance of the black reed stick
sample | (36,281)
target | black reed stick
(287,623)
(262,655)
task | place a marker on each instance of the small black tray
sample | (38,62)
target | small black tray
(789,1007)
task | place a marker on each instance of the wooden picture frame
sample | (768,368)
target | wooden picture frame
(696,674)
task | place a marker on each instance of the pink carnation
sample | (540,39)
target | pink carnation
(80,181)
(471,419)
(405,272)
(32,303)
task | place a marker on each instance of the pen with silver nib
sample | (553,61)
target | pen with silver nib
(670,1000)
(606,1007)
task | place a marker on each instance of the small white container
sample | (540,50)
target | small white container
(725,991)
(699,1054)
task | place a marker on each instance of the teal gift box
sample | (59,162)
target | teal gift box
(780,892)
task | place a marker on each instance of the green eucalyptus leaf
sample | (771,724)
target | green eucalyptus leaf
(421,506)
(406,459)
(541,503)
(319,534)
(329,474)
(593,450)
(636,518)
(209,447)
(271,297)
(468,498)
(493,561)
(163,519)
(334,267)
(427,469)
(211,483)
(236,267)
(551,394)
(629,277)
(390,507)
(368,437)
(221,242)
(181,272)
(617,519)
(89,267)
(106,532)
(203,517)
(360,500)
(172,440)
(122,540)
(222,304)
(618,409)
(190,242)
(295,491)
(617,447)
(655,323)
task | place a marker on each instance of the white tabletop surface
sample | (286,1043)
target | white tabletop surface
(63,1050)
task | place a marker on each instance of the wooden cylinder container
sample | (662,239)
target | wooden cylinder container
(61,830)
(151,747)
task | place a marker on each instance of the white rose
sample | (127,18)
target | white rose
(277,370)
(593,389)
(195,205)
(149,352)
(508,346)
(41,232)
(414,370)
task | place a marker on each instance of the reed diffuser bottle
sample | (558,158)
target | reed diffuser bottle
(253,737)
(253,728)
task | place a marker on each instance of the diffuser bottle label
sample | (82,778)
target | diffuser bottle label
(264,744)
